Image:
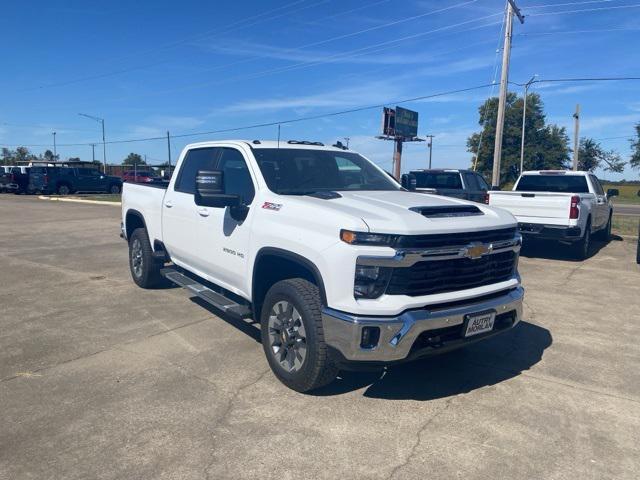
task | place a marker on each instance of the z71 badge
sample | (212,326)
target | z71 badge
(272,206)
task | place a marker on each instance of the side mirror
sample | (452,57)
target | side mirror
(408,181)
(613,192)
(210,190)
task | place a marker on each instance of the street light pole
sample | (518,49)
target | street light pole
(54,147)
(104,144)
(524,119)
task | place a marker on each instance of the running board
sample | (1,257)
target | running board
(212,298)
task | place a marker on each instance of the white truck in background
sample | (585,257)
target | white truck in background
(559,205)
(340,265)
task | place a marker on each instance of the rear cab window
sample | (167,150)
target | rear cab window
(558,183)
(438,180)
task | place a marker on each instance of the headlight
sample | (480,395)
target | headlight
(361,238)
(370,281)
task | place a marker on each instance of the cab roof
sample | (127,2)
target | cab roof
(284,144)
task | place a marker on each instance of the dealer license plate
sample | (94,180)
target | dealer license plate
(479,323)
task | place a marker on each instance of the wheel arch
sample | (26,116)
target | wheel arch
(134,219)
(274,264)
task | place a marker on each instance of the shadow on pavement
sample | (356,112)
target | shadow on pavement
(551,250)
(248,327)
(482,364)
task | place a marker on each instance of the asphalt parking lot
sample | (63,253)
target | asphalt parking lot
(100,379)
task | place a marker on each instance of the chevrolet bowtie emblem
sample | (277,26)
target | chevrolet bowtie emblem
(477,250)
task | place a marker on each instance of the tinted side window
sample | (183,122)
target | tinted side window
(197,159)
(237,179)
(482,182)
(596,185)
(65,172)
(470,180)
(438,180)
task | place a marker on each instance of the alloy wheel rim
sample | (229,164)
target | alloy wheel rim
(287,336)
(136,258)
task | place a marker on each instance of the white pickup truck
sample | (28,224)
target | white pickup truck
(342,267)
(560,205)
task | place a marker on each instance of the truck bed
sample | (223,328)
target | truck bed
(535,207)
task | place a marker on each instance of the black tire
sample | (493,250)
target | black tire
(114,189)
(63,189)
(316,369)
(145,270)
(582,247)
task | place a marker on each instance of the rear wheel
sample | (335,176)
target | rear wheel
(292,335)
(582,247)
(145,270)
(63,189)
(114,189)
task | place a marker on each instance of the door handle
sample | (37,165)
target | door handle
(168,204)
(203,212)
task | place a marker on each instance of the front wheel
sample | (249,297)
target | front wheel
(114,189)
(292,335)
(145,270)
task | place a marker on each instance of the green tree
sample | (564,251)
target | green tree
(634,162)
(48,156)
(7,157)
(134,159)
(591,156)
(546,146)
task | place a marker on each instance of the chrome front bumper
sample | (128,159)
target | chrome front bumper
(343,331)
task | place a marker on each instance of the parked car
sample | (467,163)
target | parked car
(559,205)
(64,180)
(465,184)
(141,176)
(341,266)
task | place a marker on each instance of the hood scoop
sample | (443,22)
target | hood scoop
(448,211)
(325,195)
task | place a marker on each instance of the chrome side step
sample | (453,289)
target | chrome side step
(215,299)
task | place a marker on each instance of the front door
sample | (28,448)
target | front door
(223,240)
(601,207)
(181,217)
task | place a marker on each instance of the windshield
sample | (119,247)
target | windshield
(553,183)
(289,171)
(438,180)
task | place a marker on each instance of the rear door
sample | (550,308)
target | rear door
(181,216)
(37,178)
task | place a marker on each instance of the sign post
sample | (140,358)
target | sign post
(399,125)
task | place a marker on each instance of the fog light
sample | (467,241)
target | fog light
(370,337)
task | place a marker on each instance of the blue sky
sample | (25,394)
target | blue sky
(148,67)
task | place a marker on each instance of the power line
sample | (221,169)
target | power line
(270,124)
(580,79)
(547,5)
(598,9)
(563,32)
(328,59)
(232,27)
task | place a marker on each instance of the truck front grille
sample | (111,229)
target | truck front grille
(442,276)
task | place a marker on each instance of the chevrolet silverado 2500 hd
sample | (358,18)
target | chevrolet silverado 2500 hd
(559,205)
(340,265)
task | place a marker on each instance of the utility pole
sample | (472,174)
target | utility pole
(346,139)
(576,137)
(54,147)
(430,145)
(397,158)
(93,152)
(524,119)
(169,149)
(504,80)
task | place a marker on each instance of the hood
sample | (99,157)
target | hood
(390,212)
